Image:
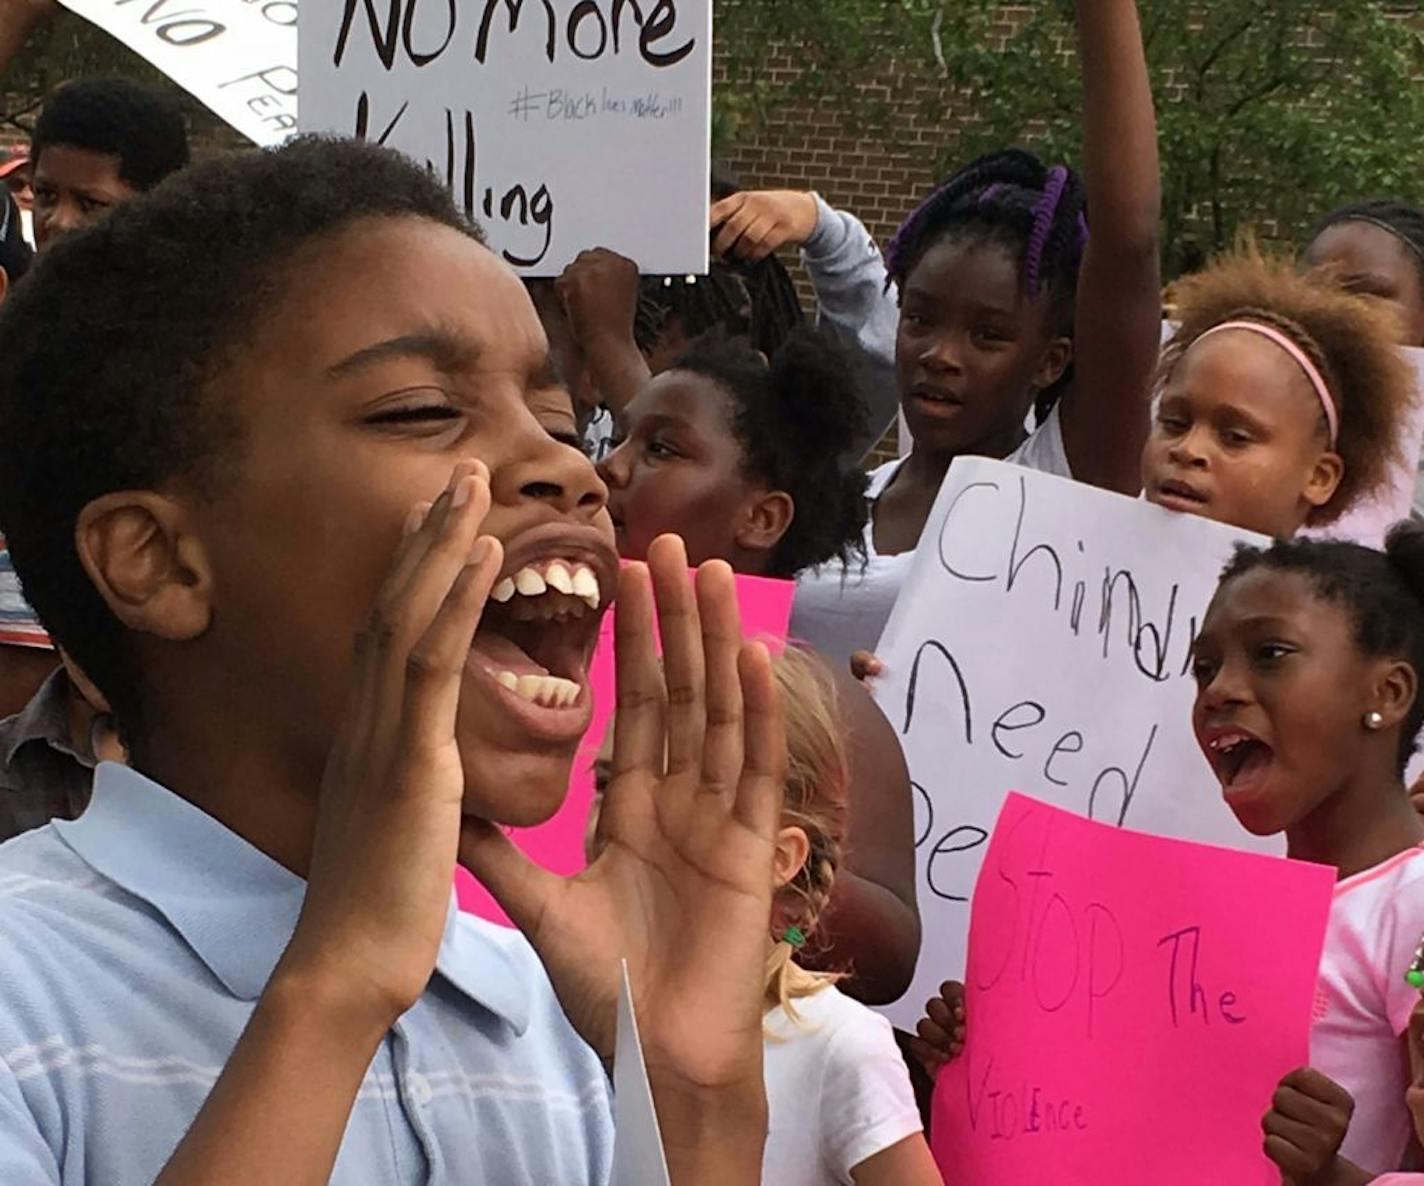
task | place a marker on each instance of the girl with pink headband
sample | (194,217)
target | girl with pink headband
(1281,400)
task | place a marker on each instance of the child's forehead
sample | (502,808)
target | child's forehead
(1265,594)
(1356,243)
(385,279)
(1241,366)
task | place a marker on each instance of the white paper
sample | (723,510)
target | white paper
(557,125)
(638,1158)
(237,56)
(1052,623)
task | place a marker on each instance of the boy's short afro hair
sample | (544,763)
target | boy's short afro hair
(140,125)
(108,349)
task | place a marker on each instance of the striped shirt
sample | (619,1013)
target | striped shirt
(134,943)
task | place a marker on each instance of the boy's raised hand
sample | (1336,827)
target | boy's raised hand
(599,292)
(388,823)
(682,887)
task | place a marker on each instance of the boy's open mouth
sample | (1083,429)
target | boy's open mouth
(1240,759)
(537,635)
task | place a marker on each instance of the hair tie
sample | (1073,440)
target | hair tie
(794,937)
(1043,215)
(1302,360)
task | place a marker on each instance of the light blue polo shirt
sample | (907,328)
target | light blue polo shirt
(134,943)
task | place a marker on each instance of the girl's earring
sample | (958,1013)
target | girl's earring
(1373,721)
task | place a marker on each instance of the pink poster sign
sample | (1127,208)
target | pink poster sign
(1132,1002)
(559,844)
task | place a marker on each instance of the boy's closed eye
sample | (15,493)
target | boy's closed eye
(417,411)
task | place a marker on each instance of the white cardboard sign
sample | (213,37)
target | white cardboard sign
(557,125)
(1042,644)
(237,56)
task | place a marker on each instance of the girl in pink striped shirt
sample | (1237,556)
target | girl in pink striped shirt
(1308,672)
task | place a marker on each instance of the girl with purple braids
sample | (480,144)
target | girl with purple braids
(1009,308)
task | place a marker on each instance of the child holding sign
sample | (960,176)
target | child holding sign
(1283,399)
(1308,706)
(840,1106)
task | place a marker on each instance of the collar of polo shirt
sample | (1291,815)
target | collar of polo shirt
(236,907)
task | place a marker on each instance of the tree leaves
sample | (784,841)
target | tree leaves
(1271,111)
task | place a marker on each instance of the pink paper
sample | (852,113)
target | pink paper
(559,844)
(1132,1002)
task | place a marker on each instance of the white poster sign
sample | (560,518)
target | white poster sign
(237,56)
(1042,644)
(558,125)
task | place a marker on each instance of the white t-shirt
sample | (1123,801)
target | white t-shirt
(839,610)
(1363,1003)
(837,1091)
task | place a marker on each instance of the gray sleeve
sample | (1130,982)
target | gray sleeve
(854,307)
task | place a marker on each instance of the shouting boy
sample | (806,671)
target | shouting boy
(302,388)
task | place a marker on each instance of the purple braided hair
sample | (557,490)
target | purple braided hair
(1043,214)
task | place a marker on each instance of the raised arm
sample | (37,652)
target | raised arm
(1117,338)
(599,291)
(846,271)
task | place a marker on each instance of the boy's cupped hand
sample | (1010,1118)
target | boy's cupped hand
(682,887)
(388,827)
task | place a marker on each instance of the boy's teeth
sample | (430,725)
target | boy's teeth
(557,577)
(550,691)
(503,591)
(585,585)
(529,583)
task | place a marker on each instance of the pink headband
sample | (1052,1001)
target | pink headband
(1302,360)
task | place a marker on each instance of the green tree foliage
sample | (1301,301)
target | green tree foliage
(1270,111)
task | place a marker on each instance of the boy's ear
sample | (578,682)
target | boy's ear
(147,564)
(4,284)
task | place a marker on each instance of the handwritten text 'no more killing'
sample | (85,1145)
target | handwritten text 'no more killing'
(409,34)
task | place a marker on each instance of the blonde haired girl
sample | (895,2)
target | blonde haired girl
(841,1110)
(841,1107)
